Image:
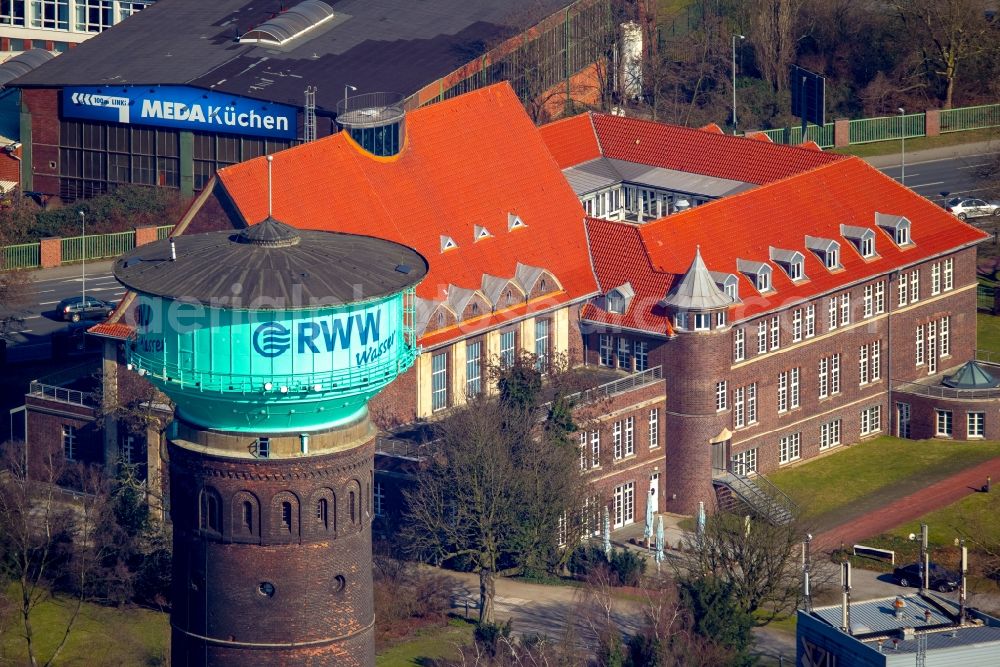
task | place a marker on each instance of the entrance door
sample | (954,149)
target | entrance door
(720,456)
(903,420)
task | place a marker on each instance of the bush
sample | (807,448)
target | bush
(488,635)
(627,567)
(404,591)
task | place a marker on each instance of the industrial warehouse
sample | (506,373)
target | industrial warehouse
(716,353)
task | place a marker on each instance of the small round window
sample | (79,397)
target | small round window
(266,589)
(339,583)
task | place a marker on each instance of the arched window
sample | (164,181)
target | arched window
(248,516)
(210,511)
(245,519)
(322,513)
(286,516)
(353,503)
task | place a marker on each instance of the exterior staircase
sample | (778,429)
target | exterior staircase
(739,493)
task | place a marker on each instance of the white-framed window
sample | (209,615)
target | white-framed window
(681,320)
(720,319)
(542,326)
(630,436)
(752,403)
(562,530)
(810,320)
(654,428)
(775,333)
(702,321)
(944,335)
(762,337)
(606,357)
(871,420)
(720,396)
(868,246)
(739,408)
(439,381)
(935,278)
(595,449)
(931,347)
(902,234)
(641,350)
(763,279)
(378,500)
(835,374)
(69,442)
(919,341)
(975,424)
(584,458)
(903,420)
(624,358)
(796,325)
(875,358)
(863,365)
(949,274)
(944,423)
(879,297)
(624,504)
(793,388)
(845,309)
(790,448)
(739,344)
(473,368)
(745,463)
(831,258)
(783,391)
(869,297)
(831,318)
(508,343)
(829,434)
(901,286)
(615,302)
(823,377)
(914,285)
(616,440)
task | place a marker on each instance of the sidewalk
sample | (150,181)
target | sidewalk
(912,506)
(931,154)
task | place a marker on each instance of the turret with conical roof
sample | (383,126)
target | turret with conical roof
(695,301)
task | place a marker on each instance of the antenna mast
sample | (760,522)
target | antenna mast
(270,159)
(309,125)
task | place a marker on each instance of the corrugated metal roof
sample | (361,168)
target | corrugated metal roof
(878,616)
(946,639)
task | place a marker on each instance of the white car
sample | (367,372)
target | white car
(970,207)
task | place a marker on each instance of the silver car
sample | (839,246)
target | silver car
(970,207)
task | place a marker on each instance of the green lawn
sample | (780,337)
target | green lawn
(918,143)
(988,333)
(101,636)
(866,475)
(429,644)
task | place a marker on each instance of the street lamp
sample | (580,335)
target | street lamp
(902,146)
(741,37)
(346,88)
(83,254)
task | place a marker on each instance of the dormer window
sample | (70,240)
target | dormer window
(728,283)
(447,243)
(827,250)
(790,261)
(862,238)
(514,222)
(758,273)
(896,226)
(618,299)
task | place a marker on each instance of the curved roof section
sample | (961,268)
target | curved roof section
(291,23)
(271,265)
(971,376)
(469,161)
(23,63)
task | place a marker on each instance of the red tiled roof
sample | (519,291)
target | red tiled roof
(111,330)
(571,140)
(780,214)
(467,161)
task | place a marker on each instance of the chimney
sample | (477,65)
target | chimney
(173,250)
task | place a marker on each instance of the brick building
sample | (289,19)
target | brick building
(742,305)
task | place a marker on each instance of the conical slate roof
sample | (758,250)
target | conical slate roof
(697,289)
(971,376)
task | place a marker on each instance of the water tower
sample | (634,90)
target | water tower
(271,341)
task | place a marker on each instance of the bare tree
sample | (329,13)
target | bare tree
(46,535)
(950,34)
(772,25)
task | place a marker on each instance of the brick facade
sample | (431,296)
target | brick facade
(43,105)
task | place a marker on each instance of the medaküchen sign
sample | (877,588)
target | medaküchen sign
(180,107)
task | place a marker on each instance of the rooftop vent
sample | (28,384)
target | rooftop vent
(514,222)
(479,233)
(290,24)
(447,243)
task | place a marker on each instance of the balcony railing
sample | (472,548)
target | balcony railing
(399,448)
(62,394)
(615,387)
(938,391)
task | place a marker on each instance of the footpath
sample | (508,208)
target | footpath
(933,154)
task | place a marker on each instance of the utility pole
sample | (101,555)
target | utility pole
(83,255)
(741,37)
(902,146)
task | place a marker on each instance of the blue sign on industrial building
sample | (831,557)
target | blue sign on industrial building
(180,107)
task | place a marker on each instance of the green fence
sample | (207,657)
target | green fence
(867,130)
(970,118)
(984,297)
(821,135)
(163,231)
(23,256)
(98,246)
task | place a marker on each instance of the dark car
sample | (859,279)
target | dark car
(940,579)
(75,308)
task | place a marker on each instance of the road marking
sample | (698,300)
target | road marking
(43,291)
(948,159)
(975,166)
(926,185)
(32,317)
(47,303)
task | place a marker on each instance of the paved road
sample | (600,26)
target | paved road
(952,169)
(47,289)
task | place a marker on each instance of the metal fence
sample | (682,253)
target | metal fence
(163,231)
(793,135)
(62,394)
(970,118)
(633,381)
(985,298)
(22,256)
(867,130)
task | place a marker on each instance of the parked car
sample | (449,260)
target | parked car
(940,579)
(970,207)
(75,308)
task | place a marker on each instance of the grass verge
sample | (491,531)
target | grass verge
(429,644)
(870,473)
(101,636)
(918,143)
(988,332)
